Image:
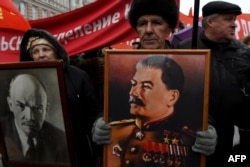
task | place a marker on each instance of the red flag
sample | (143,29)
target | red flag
(12,27)
(11,18)
(190,13)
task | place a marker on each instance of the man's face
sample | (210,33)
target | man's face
(223,27)
(149,98)
(152,31)
(28,103)
(43,53)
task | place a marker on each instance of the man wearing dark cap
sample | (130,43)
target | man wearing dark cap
(154,21)
(220,7)
(229,83)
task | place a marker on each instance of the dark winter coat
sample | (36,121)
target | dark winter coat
(229,100)
(82,102)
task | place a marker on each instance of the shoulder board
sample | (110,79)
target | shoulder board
(122,122)
(188,131)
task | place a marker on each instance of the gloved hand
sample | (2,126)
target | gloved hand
(101,132)
(205,141)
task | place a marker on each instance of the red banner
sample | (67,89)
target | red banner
(99,24)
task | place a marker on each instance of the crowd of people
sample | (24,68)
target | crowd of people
(152,97)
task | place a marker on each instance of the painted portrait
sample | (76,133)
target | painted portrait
(155,102)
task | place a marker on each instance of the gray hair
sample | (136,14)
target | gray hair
(205,19)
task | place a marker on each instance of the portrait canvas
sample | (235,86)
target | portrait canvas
(155,102)
(34,123)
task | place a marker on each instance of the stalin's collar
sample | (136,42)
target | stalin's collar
(152,125)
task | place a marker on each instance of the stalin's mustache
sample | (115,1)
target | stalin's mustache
(136,101)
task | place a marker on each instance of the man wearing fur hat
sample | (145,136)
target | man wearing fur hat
(154,21)
(230,81)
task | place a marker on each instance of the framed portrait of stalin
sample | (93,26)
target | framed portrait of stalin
(155,102)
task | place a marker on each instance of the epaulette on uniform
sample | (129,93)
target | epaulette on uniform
(122,122)
(188,131)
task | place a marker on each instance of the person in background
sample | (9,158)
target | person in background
(28,136)
(181,26)
(246,40)
(154,21)
(40,45)
(93,63)
(229,100)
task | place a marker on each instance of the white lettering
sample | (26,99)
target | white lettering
(18,43)
(235,158)
(97,25)
(12,42)
(61,38)
(243,158)
(69,35)
(78,29)
(127,8)
(4,44)
(244,27)
(115,18)
(106,21)
(87,28)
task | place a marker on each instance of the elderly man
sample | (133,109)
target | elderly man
(154,21)
(230,81)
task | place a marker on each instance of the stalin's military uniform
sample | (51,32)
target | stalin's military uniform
(155,144)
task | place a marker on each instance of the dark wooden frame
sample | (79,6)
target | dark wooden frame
(120,67)
(50,73)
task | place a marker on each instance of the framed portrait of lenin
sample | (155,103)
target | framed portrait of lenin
(34,121)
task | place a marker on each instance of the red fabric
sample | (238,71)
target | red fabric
(102,23)
(110,15)
(9,45)
(11,18)
(12,26)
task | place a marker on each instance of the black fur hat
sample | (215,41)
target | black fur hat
(167,9)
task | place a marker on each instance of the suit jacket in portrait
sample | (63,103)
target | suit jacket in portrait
(51,144)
